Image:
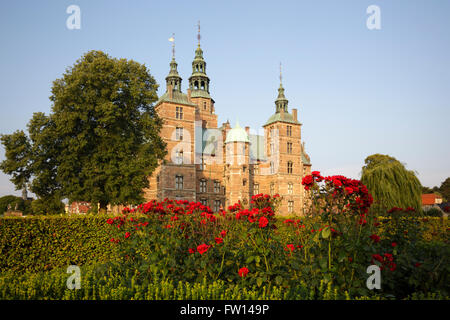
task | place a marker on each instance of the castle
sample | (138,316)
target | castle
(219,166)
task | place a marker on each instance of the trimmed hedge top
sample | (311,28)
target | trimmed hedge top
(44,243)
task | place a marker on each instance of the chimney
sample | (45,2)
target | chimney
(294,114)
(189,94)
(170,90)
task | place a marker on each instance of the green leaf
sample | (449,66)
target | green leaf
(259,282)
(326,232)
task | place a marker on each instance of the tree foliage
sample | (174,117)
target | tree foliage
(101,140)
(13,201)
(445,189)
(390,183)
(17,154)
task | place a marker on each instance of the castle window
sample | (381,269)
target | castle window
(179,157)
(289,167)
(289,131)
(203,85)
(204,201)
(290,188)
(256,188)
(203,185)
(217,205)
(179,182)
(272,168)
(289,147)
(179,113)
(204,105)
(179,133)
(216,186)
(272,188)
(290,206)
(244,168)
(244,182)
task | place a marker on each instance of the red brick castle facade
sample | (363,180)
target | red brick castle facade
(220,166)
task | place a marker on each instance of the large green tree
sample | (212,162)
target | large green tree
(390,183)
(101,140)
(17,162)
(445,189)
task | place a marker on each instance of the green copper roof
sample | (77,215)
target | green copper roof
(173,69)
(281,117)
(237,134)
(200,94)
(177,97)
(305,159)
(257,147)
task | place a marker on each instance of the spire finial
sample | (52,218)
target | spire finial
(281,76)
(198,35)
(172,39)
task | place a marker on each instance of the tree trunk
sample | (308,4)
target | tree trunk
(24,193)
(103,207)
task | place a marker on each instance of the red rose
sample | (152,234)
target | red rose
(394,244)
(191,250)
(377,257)
(127,235)
(243,272)
(375,238)
(223,233)
(337,183)
(307,181)
(202,248)
(110,221)
(290,247)
(218,240)
(263,222)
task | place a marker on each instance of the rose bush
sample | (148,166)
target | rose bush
(333,244)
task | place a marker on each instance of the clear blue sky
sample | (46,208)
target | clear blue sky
(358,91)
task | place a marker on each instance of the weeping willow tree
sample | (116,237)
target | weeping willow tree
(390,183)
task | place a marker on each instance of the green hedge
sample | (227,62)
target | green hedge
(106,283)
(44,243)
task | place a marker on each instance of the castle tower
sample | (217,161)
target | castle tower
(284,151)
(238,177)
(199,89)
(175,178)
